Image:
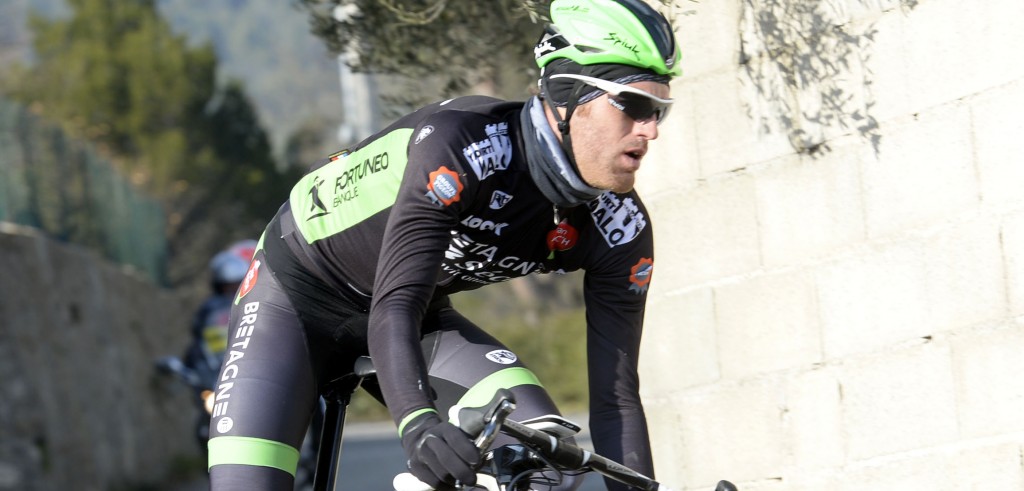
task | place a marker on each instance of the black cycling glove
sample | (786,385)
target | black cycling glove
(439,452)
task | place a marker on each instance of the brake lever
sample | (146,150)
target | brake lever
(485,421)
(492,425)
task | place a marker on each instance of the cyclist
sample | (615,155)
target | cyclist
(454,196)
(209,331)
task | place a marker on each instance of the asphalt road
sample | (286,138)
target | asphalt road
(371,456)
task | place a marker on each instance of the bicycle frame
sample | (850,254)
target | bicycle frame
(337,397)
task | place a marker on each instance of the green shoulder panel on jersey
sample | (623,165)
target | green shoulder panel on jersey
(351,188)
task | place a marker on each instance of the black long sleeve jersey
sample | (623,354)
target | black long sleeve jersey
(443,201)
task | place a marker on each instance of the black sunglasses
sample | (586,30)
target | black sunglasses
(639,105)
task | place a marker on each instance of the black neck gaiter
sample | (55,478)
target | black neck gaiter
(549,167)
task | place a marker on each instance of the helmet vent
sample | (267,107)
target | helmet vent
(661,33)
(618,32)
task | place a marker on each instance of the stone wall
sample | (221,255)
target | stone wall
(80,405)
(839,218)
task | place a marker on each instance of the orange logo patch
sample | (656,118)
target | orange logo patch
(444,186)
(640,275)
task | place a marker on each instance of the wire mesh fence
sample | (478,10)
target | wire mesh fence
(60,186)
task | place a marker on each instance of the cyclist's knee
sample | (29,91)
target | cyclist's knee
(244,463)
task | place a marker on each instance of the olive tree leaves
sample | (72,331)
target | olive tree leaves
(807,66)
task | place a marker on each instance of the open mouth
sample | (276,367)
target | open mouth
(637,153)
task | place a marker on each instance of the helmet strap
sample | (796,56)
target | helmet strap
(563,124)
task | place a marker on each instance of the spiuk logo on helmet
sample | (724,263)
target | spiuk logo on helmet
(624,32)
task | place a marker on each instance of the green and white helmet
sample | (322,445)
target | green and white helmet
(623,32)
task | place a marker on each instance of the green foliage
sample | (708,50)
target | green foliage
(555,349)
(456,44)
(808,67)
(459,43)
(114,73)
(552,343)
(61,186)
(288,72)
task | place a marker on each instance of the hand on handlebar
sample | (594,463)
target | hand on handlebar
(440,453)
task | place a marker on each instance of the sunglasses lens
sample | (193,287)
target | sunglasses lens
(638,107)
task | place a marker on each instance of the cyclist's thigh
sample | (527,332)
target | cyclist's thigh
(265,393)
(467,365)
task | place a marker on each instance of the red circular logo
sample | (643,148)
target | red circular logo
(563,237)
(250,279)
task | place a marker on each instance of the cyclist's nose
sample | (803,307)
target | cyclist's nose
(647,129)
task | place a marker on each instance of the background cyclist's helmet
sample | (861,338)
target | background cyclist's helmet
(230,265)
(622,32)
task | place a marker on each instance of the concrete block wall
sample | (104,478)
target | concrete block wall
(852,317)
(81,406)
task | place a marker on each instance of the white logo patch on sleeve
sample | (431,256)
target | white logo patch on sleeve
(619,220)
(491,155)
(499,199)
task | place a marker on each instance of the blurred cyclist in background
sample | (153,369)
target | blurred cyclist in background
(205,352)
